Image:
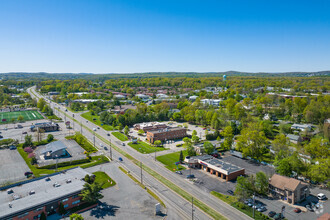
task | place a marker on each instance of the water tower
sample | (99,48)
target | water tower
(224,77)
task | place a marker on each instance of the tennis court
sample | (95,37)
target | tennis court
(6,117)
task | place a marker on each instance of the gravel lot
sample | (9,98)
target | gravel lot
(12,166)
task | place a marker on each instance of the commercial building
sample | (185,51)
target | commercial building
(213,102)
(45,126)
(288,189)
(56,149)
(164,134)
(216,167)
(28,199)
(149,126)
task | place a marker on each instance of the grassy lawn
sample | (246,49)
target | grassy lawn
(89,117)
(169,159)
(27,115)
(120,136)
(145,148)
(231,200)
(103,179)
(83,142)
(39,172)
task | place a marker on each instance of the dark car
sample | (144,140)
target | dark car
(278,216)
(24,132)
(271,214)
(190,176)
(179,172)
(230,192)
(1,136)
(28,173)
(108,134)
(297,210)
(120,159)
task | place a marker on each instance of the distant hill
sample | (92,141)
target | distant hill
(62,76)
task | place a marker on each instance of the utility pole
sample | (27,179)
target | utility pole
(141,172)
(192,208)
(81,128)
(94,138)
(155,154)
(254,197)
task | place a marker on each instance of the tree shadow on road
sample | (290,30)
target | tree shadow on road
(103,210)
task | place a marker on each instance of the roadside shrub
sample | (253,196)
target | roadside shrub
(31,155)
(64,164)
(28,150)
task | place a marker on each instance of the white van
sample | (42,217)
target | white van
(321,196)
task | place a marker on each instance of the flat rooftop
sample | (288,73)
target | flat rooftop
(230,168)
(44,191)
(162,130)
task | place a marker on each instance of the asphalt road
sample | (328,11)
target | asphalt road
(175,203)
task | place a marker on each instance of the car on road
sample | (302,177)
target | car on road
(105,148)
(19,126)
(271,214)
(178,172)
(108,134)
(297,210)
(120,159)
(98,127)
(24,132)
(28,173)
(94,129)
(123,144)
(66,110)
(190,176)
(230,192)
(321,196)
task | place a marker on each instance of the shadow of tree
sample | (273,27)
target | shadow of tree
(103,210)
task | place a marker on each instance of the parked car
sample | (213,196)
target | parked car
(321,196)
(278,216)
(271,214)
(28,173)
(19,126)
(230,192)
(12,147)
(248,201)
(309,208)
(297,210)
(1,136)
(262,209)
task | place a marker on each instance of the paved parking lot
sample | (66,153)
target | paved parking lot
(12,166)
(125,200)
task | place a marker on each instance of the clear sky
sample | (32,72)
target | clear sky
(164,35)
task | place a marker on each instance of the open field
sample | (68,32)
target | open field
(89,117)
(27,115)
(120,136)
(169,160)
(145,148)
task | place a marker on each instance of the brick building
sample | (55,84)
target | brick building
(164,134)
(28,199)
(215,167)
(288,189)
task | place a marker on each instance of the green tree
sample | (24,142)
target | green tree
(261,183)
(61,209)
(208,147)
(194,133)
(195,139)
(76,216)
(20,118)
(186,140)
(140,132)
(191,150)
(318,148)
(181,157)
(41,103)
(158,143)
(28,141)
(283,167)
(120,127)
(126,130)
(50,138)
(43,216)
(91,192)
(244,188)
(228,134)
(252,141)
(320,172)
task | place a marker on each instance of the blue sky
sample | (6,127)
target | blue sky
(164,35)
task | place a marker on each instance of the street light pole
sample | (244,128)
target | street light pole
(110,149)
(253,203)
(94,138)
(141,172)
(192,208)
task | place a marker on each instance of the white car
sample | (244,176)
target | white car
(321,196)
(94,129)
